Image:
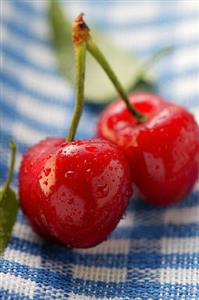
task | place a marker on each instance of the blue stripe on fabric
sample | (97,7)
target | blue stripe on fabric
(9,295)
(192,199)
(157,231)
(39,125)
(103,23)
(161,20)
(139,260)
(28,9)
(24,32)
(62,254)
(39,275)
(130,290)
(150,50)
(21,218)
(35,124)
(28,35)
(3,172)
(21,58)
(17,85)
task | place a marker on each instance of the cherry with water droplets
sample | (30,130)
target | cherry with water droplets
(163,151)
(75,192)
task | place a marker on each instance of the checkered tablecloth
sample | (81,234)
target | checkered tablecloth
(153,253)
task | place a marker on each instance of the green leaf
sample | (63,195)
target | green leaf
(8,204)
(8,212)
(98,88)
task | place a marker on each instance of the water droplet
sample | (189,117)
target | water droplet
(91,148)
(102,190)
(88,170)
(69,174)
(47,171)
(63,145)
(124,216)
(85,161)
(70,201)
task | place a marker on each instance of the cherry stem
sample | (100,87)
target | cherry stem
(11,168)
(98,55)
(80,35)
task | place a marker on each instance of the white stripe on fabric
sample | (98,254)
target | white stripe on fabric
(182,88)
(184,59)
(47,113)
(74,296)
(187,7)
(196,186)
(44,113)
(46,84)
(179,276)
(40,54)
(137,11)
(127,220)
(181,216)
(23,258)
(195,112)
(36,53)
(26,134)
(179,245)
(119,246)
(47,292)
(17,285)
(38,26)
(132,38)
(25,232)
(100,274)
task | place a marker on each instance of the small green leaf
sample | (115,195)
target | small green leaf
(8,212)
(98,88)
(8,204)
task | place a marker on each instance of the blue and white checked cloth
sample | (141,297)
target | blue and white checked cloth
(153,253)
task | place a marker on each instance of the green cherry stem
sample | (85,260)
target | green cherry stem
(80,36)
(11,168)
(98,55)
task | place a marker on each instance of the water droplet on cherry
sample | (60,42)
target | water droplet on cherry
(91,148)
(47,171)
(102,190)
(69,174)
(63,145)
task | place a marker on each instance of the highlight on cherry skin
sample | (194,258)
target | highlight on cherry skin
(163,151)
(74,193)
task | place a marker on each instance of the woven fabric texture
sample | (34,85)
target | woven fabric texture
(153,253)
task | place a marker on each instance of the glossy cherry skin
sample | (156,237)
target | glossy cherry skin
(163,152)
(74,193)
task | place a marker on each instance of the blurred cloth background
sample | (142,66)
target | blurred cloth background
(153,253)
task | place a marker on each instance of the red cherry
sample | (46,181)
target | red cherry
(163,151)
(74,192)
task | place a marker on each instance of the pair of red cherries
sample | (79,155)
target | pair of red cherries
(75,192)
